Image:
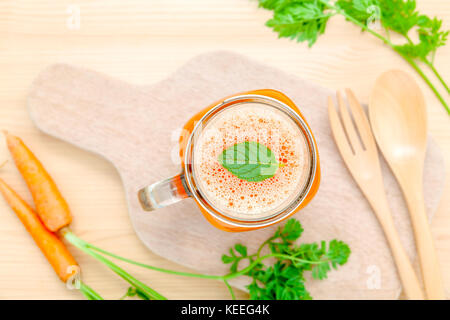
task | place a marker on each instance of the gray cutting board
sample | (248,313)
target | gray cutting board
(135,127)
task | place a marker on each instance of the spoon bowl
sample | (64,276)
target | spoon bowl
(398,117)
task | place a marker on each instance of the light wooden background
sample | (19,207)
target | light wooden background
(143,42)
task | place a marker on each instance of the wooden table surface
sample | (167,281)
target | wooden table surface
(143,42)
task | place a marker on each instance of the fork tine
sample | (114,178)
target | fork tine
(360,118)
(348,124)
(338,131)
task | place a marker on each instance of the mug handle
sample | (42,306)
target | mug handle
(164,193)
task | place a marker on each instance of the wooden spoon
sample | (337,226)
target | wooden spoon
(399,121)
(361,158)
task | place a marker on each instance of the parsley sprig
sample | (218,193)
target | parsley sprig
(284,279)
(281,279)
(305,20)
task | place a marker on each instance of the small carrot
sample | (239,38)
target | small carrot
(51,207)
(51,246)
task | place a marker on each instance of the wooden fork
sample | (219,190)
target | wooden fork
(361,157)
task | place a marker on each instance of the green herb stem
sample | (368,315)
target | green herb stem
(361,25)
(282,249)
(146,266)
(306,21)
(258,253)
(436,73)
(268,256)
(84,246)
(426,79)
(230,289)
(205,276)
(88,292)
(194,275)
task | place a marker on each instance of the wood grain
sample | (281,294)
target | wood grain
(142,42)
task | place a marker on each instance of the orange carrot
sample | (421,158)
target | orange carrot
(51,246)
(50,204)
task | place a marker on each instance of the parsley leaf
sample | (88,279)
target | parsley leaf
(284,279)
(305,20)
(301,20)
(398,15)
(358,9)
(430,38)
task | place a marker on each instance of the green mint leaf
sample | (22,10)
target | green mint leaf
(249,160)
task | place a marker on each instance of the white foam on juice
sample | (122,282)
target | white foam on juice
(261,123)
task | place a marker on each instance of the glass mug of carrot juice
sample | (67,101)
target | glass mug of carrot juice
(249,161)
